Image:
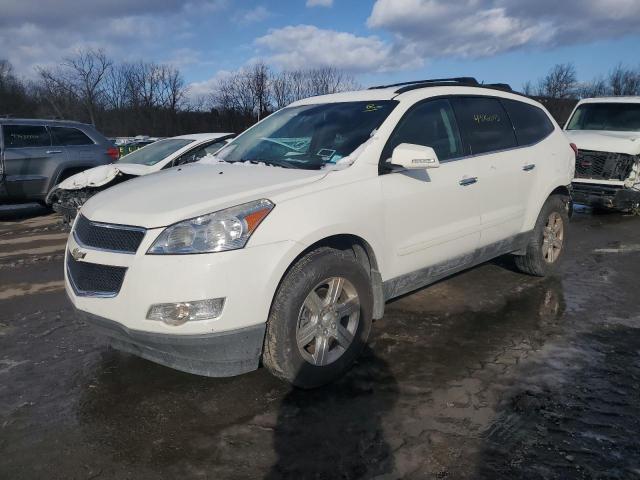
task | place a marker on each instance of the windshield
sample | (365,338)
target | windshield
(617,117)
(309,136)
(155,152)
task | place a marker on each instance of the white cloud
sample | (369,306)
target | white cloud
(305,46)
(477,28)
(319,3)
(45,33)
(257,15)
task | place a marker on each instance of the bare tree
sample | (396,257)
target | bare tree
(257,81)
(81,76)
(528,88)
(595,88)
(560,82)
(624,81)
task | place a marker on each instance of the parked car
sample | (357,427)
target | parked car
(35,155)
(607,134)
(68,196)
(281,252)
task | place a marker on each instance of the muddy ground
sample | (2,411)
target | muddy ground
(488,375)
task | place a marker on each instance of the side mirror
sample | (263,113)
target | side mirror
(414,157)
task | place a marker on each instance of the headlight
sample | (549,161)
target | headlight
(227,229)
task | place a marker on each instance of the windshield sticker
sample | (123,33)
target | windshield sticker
(372,107)
(325,153)
(486,118)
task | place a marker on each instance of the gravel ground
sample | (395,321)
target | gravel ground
(488,375)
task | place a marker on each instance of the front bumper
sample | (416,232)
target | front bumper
(605,196)
(212,355)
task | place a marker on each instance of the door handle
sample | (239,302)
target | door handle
(49,152)
(468,181)
(528,168)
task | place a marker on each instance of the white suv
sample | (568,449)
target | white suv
(283,248)
(607,134)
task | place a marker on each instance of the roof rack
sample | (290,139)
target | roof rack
(454,80)
(446,82)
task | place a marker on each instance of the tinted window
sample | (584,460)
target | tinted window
(431,124)
(484,124)
(530,122)
(64,136)
(621,117)
(17,136)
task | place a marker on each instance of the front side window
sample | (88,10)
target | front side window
(23,136)
(309,136)
(484,123)
(616,117)
(155,152)
(198,153)
(530,122)
(66,136)
(431,124)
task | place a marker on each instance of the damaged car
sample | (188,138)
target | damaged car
(282,248)
(606,132)
(68,196)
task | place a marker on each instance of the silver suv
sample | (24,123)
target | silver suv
(35,155)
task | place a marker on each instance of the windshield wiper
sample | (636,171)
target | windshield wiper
(276,163)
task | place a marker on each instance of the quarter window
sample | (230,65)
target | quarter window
(530,122)
(22,136)
(64,136)
(484,123)
(431,124)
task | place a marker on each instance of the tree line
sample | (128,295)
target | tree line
(131,98)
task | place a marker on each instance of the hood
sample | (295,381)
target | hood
(602,141)
(98,176)
(196,189)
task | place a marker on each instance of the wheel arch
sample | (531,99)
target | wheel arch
(560,189)
(363,253)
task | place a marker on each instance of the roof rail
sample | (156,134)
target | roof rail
(498,86)
(455,80)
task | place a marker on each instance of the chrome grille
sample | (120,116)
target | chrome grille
(111,237)
(94,280)
(603,165)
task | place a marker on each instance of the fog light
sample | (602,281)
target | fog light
(182,312)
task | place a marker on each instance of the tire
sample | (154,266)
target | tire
(301,312)
(538,259)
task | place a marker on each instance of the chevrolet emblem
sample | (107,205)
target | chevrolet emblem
(78,254)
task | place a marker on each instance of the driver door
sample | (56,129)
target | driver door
(432,216)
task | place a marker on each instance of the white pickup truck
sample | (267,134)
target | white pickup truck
(607,134)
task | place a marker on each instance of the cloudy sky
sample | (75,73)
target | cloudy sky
(378,40)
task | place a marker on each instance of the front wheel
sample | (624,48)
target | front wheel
(548,240)
(320,319)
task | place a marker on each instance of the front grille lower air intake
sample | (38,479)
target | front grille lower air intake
(94,280)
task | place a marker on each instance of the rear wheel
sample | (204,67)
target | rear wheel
(320,319)
(548,241)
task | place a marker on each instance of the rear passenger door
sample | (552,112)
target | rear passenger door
(532,127)
(77,145)
(27,156)
(488,133)
(431,216)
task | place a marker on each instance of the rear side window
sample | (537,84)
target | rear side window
(21,136)
(431,124)
(484,123)
(65,136)
(530,122)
